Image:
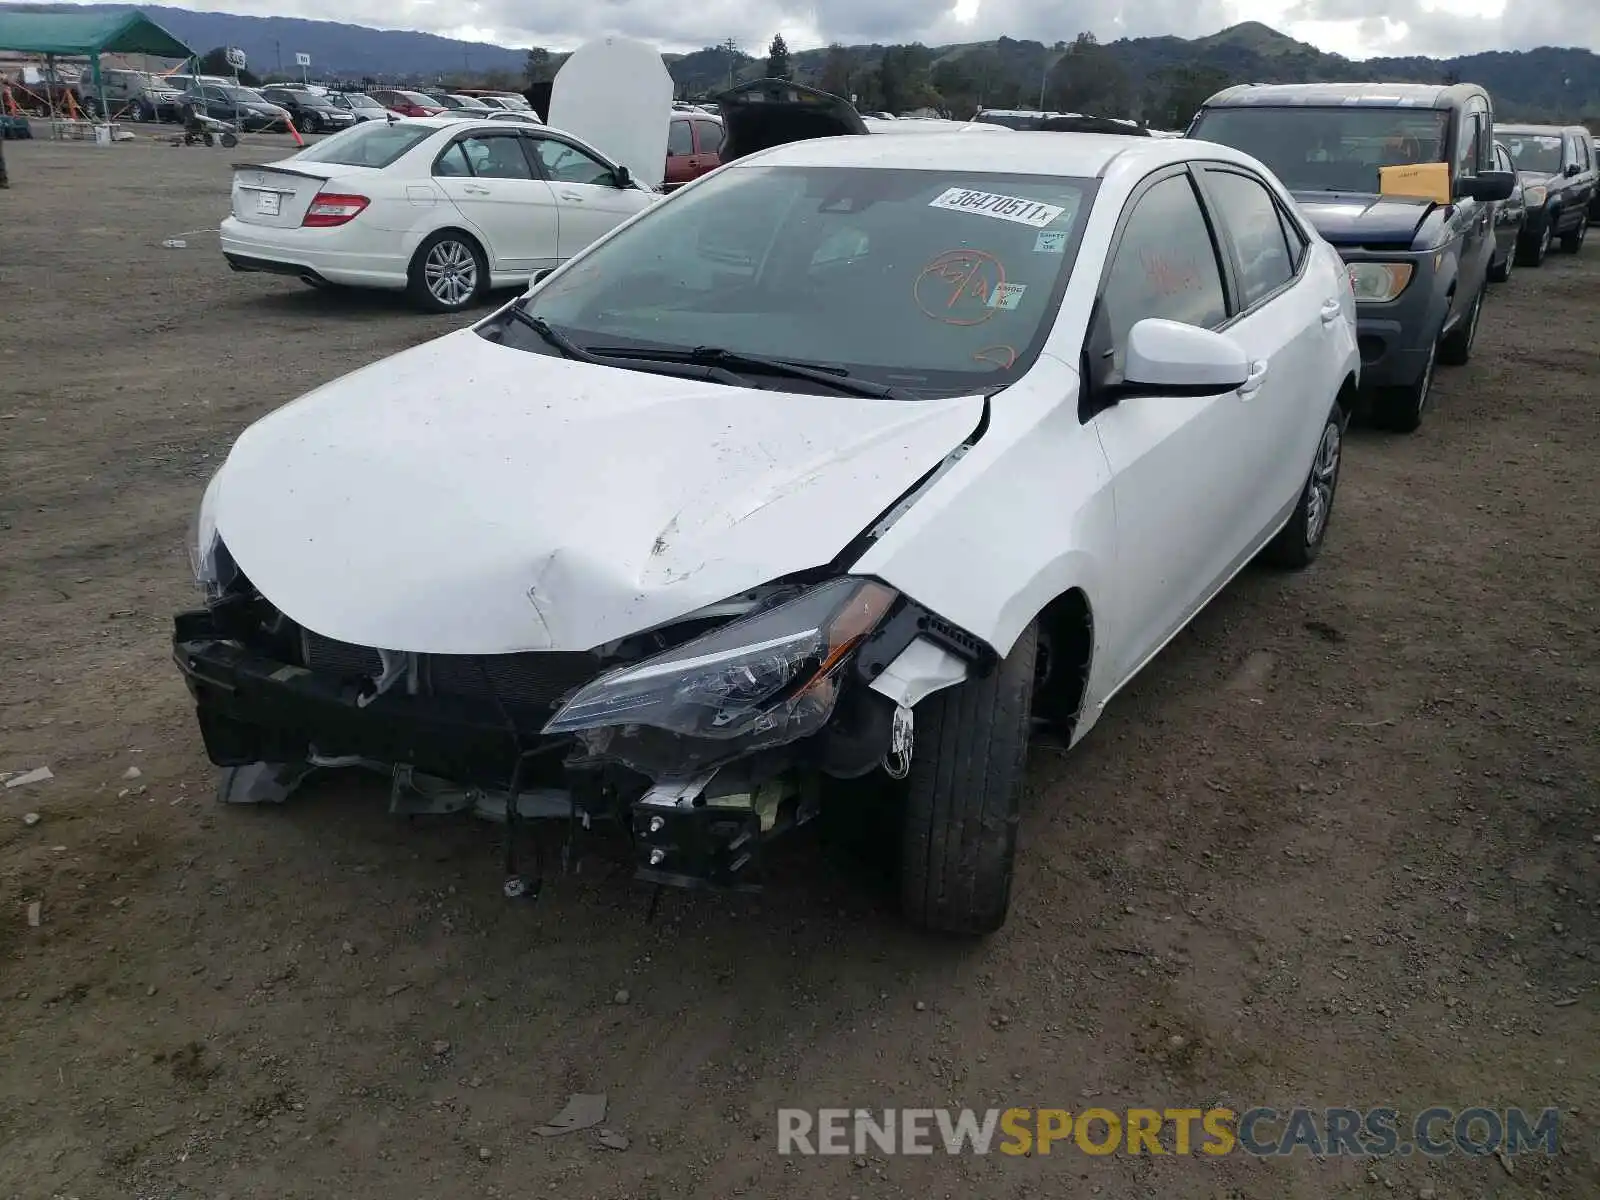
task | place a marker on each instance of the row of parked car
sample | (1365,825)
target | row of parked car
(860,458)
(1421,257)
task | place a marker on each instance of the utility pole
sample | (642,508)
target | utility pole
(278,47)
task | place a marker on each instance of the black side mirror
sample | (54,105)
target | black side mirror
(623,177)
(1573,169)
(1487,185)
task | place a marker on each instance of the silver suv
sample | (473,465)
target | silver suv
(130,95)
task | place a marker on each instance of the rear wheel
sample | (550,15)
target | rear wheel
(964,797)
(448,273)
(1573,242)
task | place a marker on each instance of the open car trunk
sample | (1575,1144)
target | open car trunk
(772,112)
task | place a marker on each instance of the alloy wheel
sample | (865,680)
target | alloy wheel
(1324,478)
(451,273)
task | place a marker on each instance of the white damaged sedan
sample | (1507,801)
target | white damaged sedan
(859,456)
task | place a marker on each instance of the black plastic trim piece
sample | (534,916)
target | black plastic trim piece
(906,624)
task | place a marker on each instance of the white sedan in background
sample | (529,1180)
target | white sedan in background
(441,207)
(853,457)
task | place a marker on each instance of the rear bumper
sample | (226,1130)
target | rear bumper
(304,253)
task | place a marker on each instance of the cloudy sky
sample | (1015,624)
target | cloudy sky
(1358,28)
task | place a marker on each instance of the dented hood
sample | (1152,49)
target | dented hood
(467,498)
(1357,219)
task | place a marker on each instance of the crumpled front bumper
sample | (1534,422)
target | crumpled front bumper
(255,708)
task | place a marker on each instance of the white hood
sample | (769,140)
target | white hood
(616,94)
(467,498)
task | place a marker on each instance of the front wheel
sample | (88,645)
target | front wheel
(1399,409)
(1300,541)
(1531,251)
(1573,242)
(1501,272)
(964,797)
(1455,348)
(448,273)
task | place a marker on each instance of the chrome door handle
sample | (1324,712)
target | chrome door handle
(1258,376)
(575,197)
(474,190)
(1330,311)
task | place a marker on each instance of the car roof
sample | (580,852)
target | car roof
(1552,130)
(468,124)
(1375,95)
(1078,155)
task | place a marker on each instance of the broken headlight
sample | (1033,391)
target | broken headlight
(774,673)
(213,566)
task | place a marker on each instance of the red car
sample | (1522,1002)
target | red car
(411,104)
(694,146)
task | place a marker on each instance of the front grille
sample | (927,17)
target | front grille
(340,658)
(535,680)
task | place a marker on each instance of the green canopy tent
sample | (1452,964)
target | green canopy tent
(87,35)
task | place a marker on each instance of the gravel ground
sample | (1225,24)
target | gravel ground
(1337,846)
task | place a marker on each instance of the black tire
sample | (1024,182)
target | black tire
(1532,249)
(964,798)
(1455,348)
(433,261)
(1300,541)
(1573,242)
(229,140)
(1501,272)
(1400,409)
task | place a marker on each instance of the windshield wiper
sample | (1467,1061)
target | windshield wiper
(627,361)
(715,356)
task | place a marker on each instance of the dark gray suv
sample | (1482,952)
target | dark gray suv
(1419,266)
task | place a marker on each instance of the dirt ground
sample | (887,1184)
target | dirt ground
(1338,846)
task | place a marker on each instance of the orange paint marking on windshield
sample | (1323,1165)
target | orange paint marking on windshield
(955,287)
(1001,356)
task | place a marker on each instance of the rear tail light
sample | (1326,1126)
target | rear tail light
(333,208)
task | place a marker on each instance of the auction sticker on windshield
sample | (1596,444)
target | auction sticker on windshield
(1007,296)
(1004,208)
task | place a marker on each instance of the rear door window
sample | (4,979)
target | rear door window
(496,156)
(680,138)
(709,135)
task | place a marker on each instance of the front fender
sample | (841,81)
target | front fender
(1025,516)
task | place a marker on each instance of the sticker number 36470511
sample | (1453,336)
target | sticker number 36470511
(1005,208)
